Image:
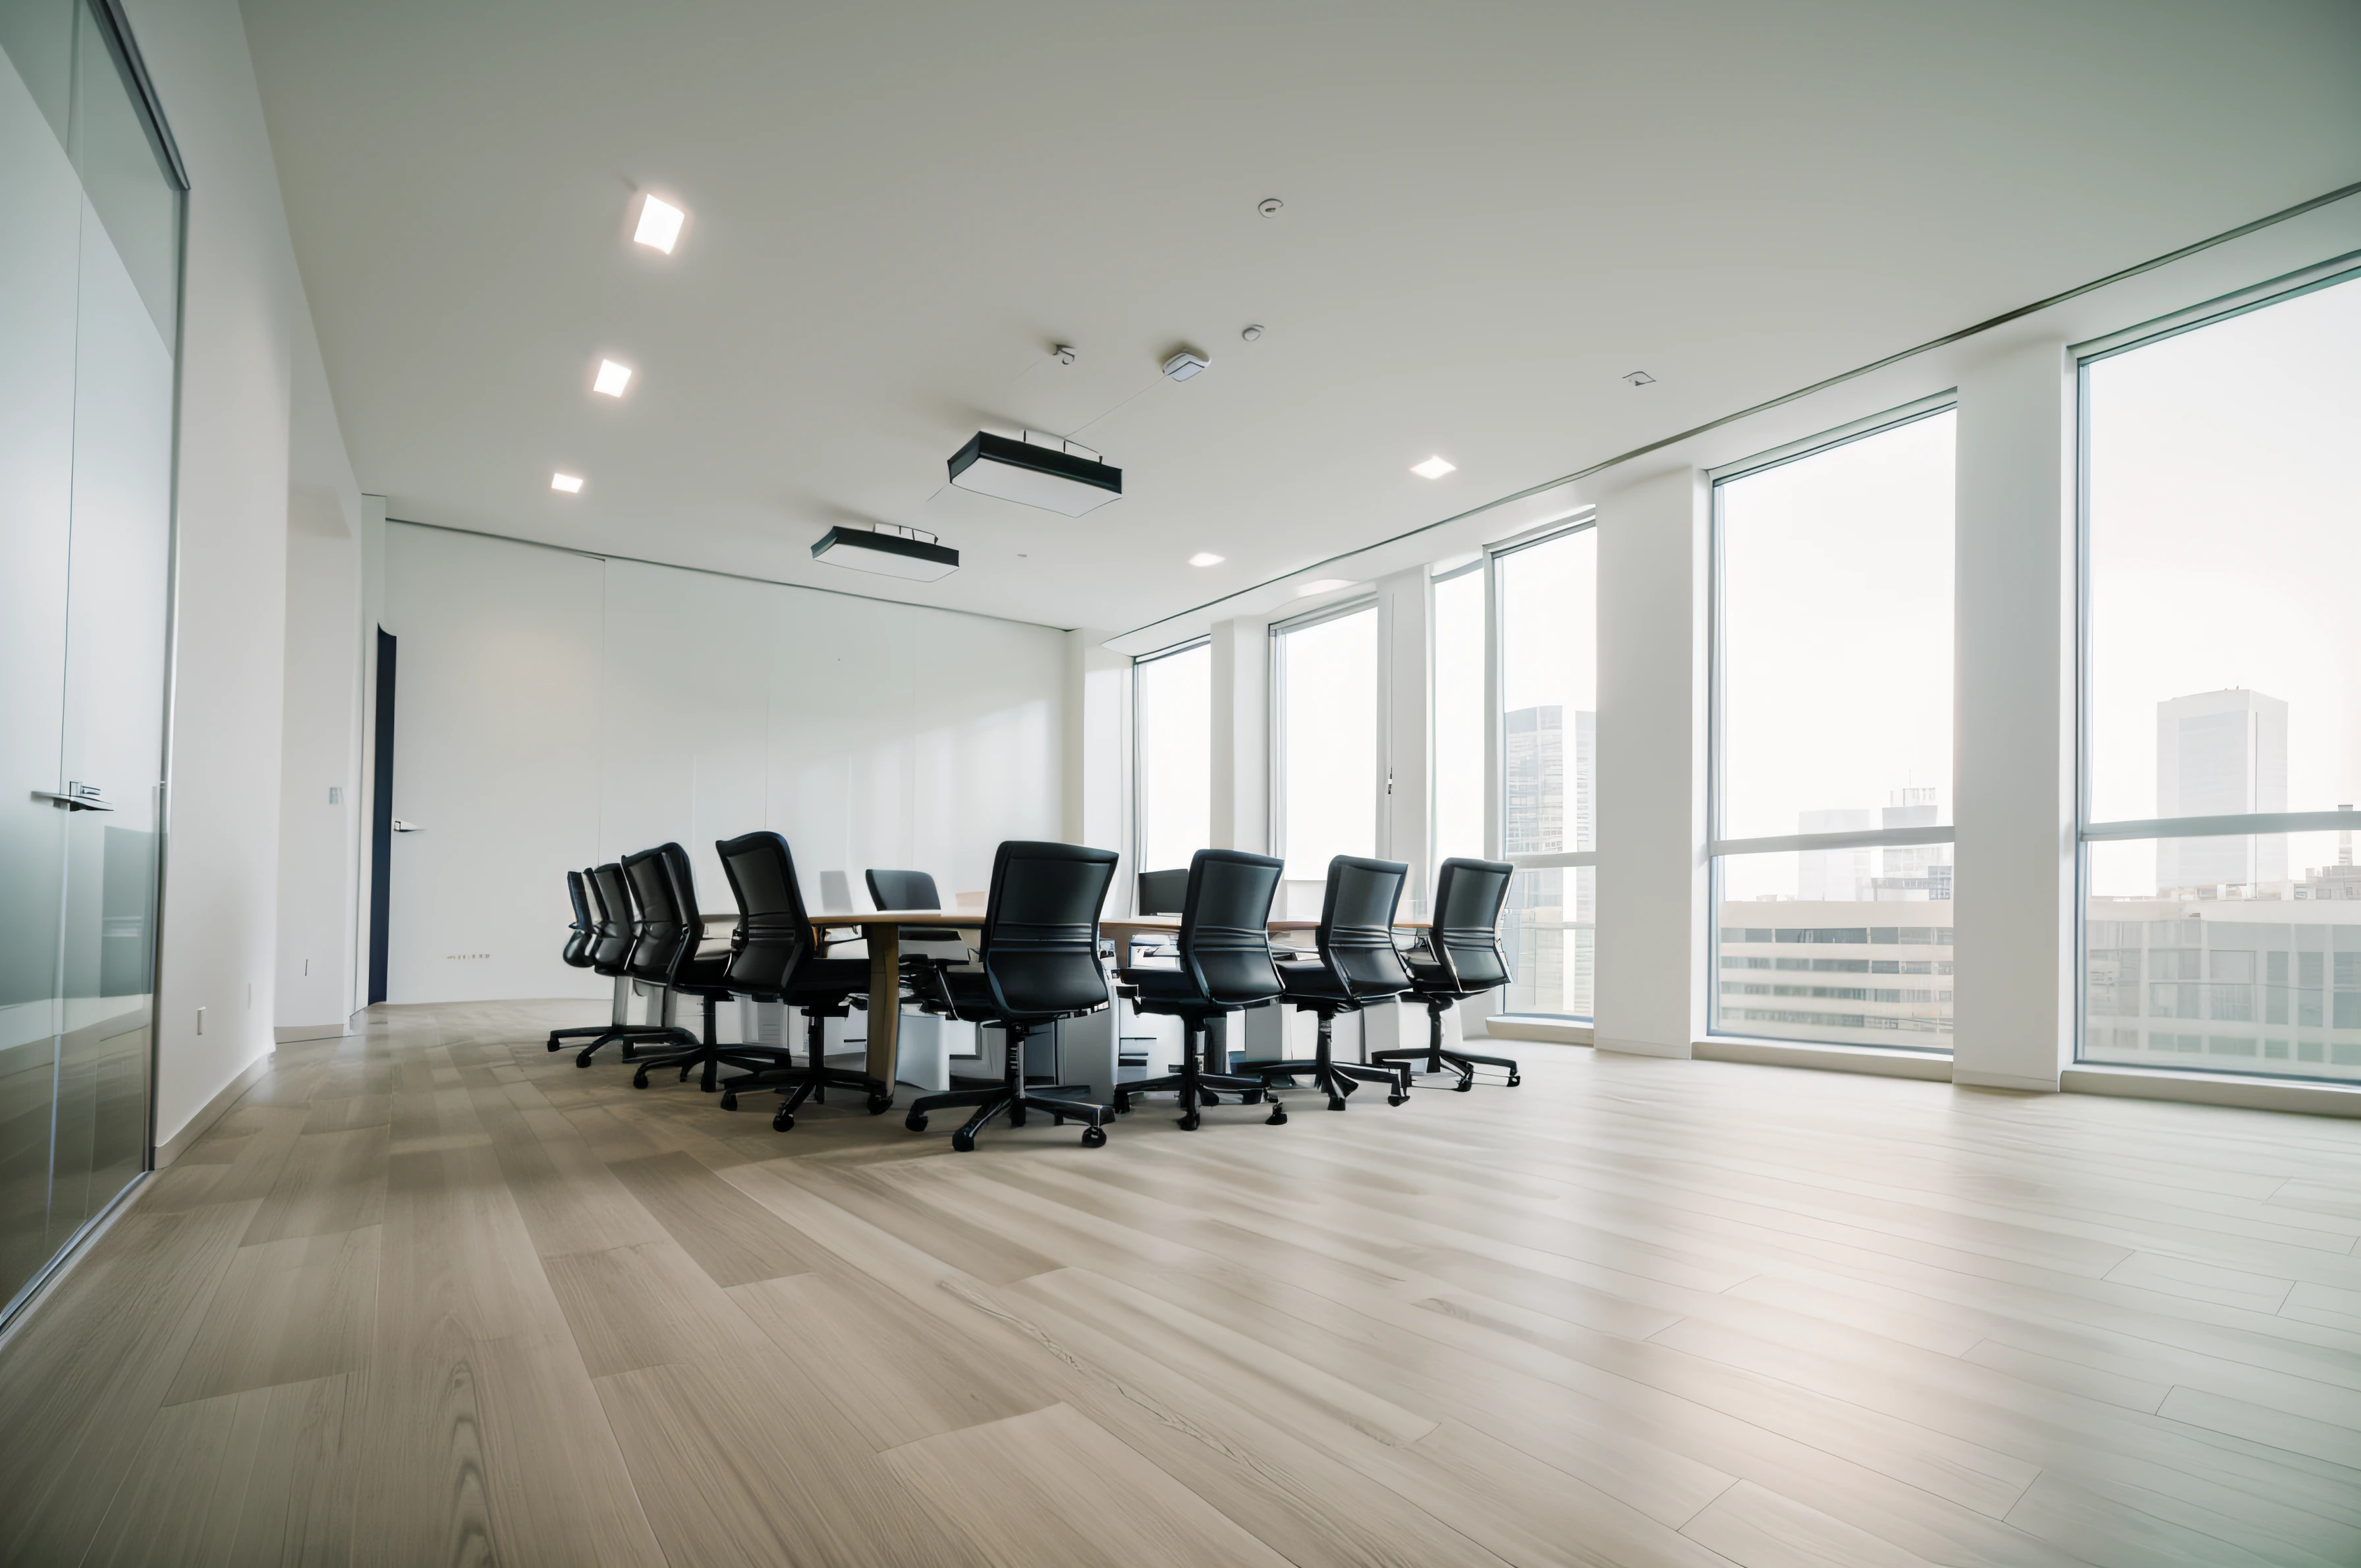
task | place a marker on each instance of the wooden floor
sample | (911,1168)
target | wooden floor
(432,1296)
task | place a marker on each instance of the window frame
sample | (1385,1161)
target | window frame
(1138,771)
(2281,290)
(1496,738)
(1275,734)
(1718,847)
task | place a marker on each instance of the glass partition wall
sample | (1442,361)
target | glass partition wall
(1172,723)
(1832,739)
(90,258)
(2222,692)
(1545,611)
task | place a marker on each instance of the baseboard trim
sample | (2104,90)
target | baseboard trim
(1506,1028)
(2023,1084)
(1872,1059)
(1680,1051)
(213,1111)
(2215,1089)
(288,1033)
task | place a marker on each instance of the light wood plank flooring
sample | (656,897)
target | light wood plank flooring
(432,1296)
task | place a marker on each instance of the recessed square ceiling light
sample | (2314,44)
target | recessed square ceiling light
(659,224)
(1322,585)
(1206,558)
(1433,468)
(571,484)
(612,379)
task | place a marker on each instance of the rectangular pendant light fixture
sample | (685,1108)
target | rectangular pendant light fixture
(1036,476)
(887,554)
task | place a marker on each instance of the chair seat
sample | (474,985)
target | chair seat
(1311,980)
(701,973)
(1428,976)
(1167,990)
(828,977)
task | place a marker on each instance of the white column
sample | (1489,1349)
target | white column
(1653,905)
(1241,721)
(1097,804)
(320,726)
(2014,778)
(1406,732)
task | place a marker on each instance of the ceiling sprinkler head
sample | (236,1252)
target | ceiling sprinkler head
(1062,353)
(1268,207)
(1250,334)
(1185,364)
(1638,377)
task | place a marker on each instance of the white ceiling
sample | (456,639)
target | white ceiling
(1492,212)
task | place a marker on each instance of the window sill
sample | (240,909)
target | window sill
(2213,1089)
(1544,1031)
(1873,1059)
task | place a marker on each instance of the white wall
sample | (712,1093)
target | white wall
(556,710)
(244,315)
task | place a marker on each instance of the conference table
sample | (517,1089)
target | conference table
(882,929)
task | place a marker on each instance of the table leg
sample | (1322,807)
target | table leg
(885,1000)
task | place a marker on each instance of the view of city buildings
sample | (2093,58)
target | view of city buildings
(1547,782)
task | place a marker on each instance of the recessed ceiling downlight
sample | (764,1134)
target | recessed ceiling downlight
(906,553)
(1051,478)
(612,378)
(1206,558)
(659,224)
(1433,468)
(567,483)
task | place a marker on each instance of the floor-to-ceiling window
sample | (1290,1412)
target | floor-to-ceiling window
(2223,693)
(1460,713)
(1832,739)
(1324,774)
(1546,598)
(90,255)
(1172,718)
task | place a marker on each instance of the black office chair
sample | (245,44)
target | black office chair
(775,959)
(585,929)
(1039,962)
(1164,892)
(610,955)
(673,952)
(916,890)
(1463,958)
(1225,965)
(1357,964)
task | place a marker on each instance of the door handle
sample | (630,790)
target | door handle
(75,796)
(402,827)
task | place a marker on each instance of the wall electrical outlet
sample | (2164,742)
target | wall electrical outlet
(201,1020)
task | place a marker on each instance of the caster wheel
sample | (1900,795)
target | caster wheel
(1252,1097)
(1397,1099)
(915,1121)
(963,1141)
(1122,1104)
(1209,1099)
(1094,1137)
(640,1078)
(1189,1123)
(1335,1102)
(1515,1078)
(1278,1118)
(1463,1085)
(1056,1120)
(684,1076)
(583,1059)
(729,1100)
(879,1103)
(553,1044)
(782,1122)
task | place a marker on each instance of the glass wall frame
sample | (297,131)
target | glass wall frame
(1845,976)
(2239,962)
(1159,819)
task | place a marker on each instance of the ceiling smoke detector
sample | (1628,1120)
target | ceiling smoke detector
(1250,334)
(1053,478)
(1063,353)
(909,553)
(1185,364)
(1268,207)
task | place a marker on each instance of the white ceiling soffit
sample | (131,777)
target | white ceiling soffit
(1492,214)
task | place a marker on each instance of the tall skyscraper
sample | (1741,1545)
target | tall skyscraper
(1548,799)
(1913,872)
(1840,876)
(2218,754)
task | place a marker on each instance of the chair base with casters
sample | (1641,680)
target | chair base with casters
(1333,1077)
(815,1078)
(1012,1097)
(1437,1059)
(1195,1086)
(619,1030)
(707,1056)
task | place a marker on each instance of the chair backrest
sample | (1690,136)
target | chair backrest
(774,932)
(665,933)
(617,932)
(1040,946)
(578,936)
(1468,896)
(903,890)
(1356,926)
(1225,925)
(1164,892)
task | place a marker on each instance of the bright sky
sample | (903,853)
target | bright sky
(1459,716)
(1175,718)
(1328,737)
